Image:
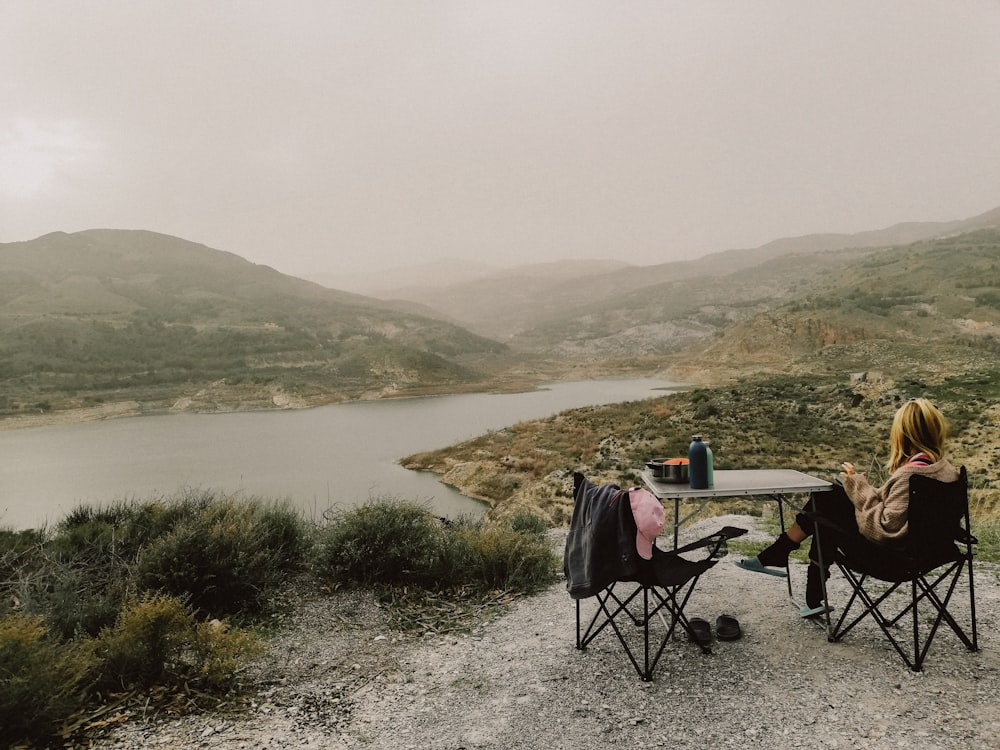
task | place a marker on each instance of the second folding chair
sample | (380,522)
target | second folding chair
(640,591)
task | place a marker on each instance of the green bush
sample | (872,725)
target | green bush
(499,558)
(397,543)
(158,642)
(122,529)
(71,578)
(76,600)
(224,556)
(528,523)
(21,553)
(19,542)
(42,681)
(229,558)
(386,541)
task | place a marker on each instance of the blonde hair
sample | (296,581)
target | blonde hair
(917,427)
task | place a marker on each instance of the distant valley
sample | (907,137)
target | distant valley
(110,317)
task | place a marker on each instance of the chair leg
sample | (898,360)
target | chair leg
(920,589)
(928,591)
(830,629)
(653,602)
(972,604)
(870,607)
(918,655)
(578,644)
(646,672)
(622,605)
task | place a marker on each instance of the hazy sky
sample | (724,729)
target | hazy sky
(334,136)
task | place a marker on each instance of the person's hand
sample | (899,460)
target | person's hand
(848,470)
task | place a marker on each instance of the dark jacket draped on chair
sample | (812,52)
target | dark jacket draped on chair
(600,547)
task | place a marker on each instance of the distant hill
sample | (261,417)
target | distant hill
(776,308)
(108,316)
(524,302)
(105,314)
(420,282)
(828,310)
(384,283)
(931,306)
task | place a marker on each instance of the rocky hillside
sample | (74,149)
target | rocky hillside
(104,317)
(932,304)
(807,377)
(811,423)
(108,315)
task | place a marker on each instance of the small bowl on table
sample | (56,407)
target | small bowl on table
(669,470)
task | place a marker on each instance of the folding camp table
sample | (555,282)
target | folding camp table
(768,484)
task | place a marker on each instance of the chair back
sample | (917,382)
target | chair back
(937,517)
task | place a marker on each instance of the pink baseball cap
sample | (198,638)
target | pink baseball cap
(648,514)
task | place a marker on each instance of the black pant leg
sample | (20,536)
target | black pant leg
(835,506)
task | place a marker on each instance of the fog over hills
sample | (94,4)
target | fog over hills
(110,315)
(520,302)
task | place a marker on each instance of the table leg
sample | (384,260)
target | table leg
(781,517)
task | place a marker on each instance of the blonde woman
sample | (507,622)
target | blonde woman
(878,514)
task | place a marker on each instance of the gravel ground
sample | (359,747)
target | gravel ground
(337,679)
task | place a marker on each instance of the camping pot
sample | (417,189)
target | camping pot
(671,470)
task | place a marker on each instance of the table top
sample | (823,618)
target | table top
(741,482)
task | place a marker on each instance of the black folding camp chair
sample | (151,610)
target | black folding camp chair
(937,549)
(633,595)
(660,592)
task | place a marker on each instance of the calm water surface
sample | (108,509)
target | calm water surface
(316,458)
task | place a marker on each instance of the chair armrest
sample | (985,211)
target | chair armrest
(714,541)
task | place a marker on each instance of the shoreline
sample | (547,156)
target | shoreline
(277,401)
(81,415)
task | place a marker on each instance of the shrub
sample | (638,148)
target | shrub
(21,554)
(528,523)
(434,576)
(396,543)
(386,541)
(19,542)
(228,558)
(41,680)
(158,642)
(499,557)
(75,600)
(70,577)
(984,507)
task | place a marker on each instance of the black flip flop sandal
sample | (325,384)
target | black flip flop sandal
(727,628)
(701,631)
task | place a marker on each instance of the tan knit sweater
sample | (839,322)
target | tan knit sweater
(881,511)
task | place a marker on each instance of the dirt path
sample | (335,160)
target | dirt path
(518,682)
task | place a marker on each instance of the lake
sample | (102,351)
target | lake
(339,455)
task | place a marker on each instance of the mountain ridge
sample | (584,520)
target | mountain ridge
(105,315)
(99,315)
(496,307)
